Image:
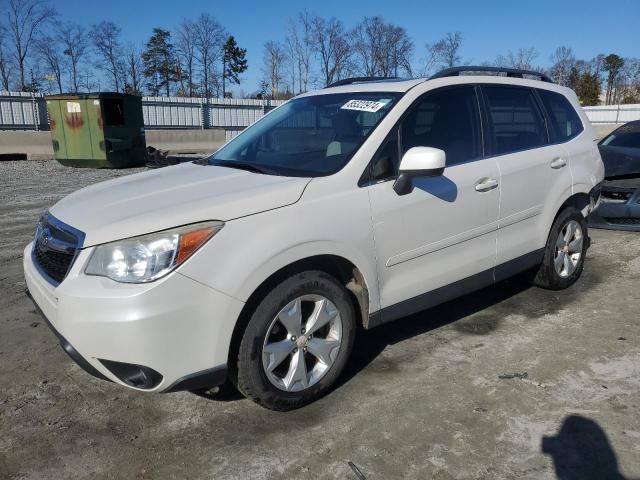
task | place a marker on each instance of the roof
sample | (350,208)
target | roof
(402,86)
(91,95)
(450,76)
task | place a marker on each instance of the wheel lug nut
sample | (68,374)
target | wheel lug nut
(293,339)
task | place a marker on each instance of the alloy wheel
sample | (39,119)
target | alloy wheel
(568,251)
(302,343)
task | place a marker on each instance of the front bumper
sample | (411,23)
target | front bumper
(175,330)
(619,207)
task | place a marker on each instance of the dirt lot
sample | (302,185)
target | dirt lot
(423,397)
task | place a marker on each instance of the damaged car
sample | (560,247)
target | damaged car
(620,198)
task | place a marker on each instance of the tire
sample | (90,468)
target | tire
(278,380)
(564,260)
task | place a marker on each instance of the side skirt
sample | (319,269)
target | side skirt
(456,289)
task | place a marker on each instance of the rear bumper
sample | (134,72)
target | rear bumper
(169,335)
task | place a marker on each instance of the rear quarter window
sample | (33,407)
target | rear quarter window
(565,122)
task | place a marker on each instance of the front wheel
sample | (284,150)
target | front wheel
(565,251)
(297,342)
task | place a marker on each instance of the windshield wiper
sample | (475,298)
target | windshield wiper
(249,167)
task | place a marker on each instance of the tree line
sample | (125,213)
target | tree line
(39,52)
(318,51)
(200,58)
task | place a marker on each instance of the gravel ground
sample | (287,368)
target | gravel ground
(422,399)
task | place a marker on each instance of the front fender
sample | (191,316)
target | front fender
(248,250)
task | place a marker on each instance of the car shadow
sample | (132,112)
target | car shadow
(440,187)
(581,451)
(370,343)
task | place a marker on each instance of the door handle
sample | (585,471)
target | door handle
(486,184)
(558,163)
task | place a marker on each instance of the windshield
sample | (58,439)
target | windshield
(625,136)
(309,136)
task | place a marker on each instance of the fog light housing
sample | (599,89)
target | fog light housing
(137,376)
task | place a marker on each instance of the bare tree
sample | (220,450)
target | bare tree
(50,53)
(133,70)
(299,42)
(106,40)
(186,49)
(75,43)
(5,67)
(381,49)
(521,59)
(329,41)
(26,18)
(431,60)
(292,41)
(209,36)
(274,58)
(562,61)
(448,49)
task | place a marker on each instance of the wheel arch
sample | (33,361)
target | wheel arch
(344,270)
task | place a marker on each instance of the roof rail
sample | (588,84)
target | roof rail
(511,72)
(350,81)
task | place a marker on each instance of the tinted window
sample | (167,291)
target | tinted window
(308,136)
(446,119)
(113,112)
(516,121)
(565,122)
(626,136)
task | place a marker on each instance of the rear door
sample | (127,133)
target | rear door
(534,173)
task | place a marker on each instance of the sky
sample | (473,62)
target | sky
(489,27)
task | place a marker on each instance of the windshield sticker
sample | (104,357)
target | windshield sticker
(364,105)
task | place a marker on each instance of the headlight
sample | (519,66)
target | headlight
(149,257)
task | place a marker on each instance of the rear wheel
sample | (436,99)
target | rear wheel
(297,342)
(565,251)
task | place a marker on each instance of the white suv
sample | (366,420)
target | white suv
(344,208)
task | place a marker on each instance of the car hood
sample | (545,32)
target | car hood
(172,196)
(620,161)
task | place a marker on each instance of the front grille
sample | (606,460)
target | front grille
(55,247)
(623,221)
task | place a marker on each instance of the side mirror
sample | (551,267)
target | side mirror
(419,162)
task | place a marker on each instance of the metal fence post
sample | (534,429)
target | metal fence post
(36,120)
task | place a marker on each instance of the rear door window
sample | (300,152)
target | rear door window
(516,123)
(565,122)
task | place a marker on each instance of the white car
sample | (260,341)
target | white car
(342,209)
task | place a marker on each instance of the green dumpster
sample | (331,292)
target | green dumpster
(98,130)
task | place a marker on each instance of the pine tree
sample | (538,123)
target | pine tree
(233,63)
(160,62)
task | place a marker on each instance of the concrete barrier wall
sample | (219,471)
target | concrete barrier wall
(37,145)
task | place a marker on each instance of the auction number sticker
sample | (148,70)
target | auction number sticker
(364,105)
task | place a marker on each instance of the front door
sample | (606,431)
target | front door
(444,231)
